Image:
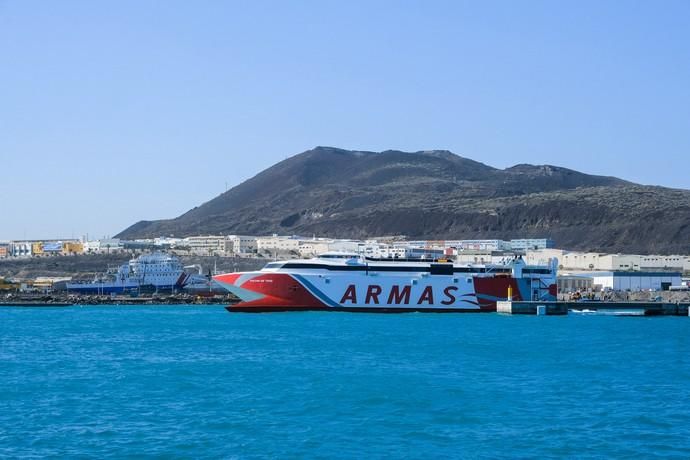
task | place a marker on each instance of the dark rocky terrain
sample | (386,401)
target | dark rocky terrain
(437,194)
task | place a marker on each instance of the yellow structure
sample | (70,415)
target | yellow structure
(7,286)
(72,247)
(37,248)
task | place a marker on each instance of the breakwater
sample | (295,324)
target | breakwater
(594,307)
(61,300)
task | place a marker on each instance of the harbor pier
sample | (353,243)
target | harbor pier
(593,307)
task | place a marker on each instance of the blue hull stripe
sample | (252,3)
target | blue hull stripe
(320,295)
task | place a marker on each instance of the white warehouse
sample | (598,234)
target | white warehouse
(634,281)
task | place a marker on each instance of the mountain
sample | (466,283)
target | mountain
(436,194)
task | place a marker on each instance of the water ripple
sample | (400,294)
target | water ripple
(198,382)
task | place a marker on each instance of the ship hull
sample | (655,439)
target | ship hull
(108,289)
(370,292)
(99,289)
(378,309)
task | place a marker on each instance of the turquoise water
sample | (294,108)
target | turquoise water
(200,382)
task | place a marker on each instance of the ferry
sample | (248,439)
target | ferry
(350,282)
(156,272)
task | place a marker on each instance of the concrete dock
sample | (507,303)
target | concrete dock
(593,307)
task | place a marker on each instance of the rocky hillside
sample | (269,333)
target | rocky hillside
(437,194)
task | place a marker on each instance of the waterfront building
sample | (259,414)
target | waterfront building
(343,245)
(488,257)
(103,246)
(672,262)
(590,261)
(425,253)
(240,244)
(633,280)
(481,245)
(410,244)
(138,245)
(47,283)
(208,245)
(276,243)
(531,243)
(382,250)
(167,242)
(20,248)
(90,246)
(37,248)
(540,256)
(574,283)
(574,260)
(311,248)
(72,247)
(389,239)
(4,250)
(52,247)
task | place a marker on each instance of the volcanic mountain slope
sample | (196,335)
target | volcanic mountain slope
(437,194)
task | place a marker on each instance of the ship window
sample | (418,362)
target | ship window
(441,269)
(274,265)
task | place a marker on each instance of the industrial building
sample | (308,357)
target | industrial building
(575,283)
(206,245)
(104,245)
(20,249)
(240,244)
(344,245)
(277,243)
(479,245)
(531,244)
(372,248)
(310,248)
(72,247)
(167,242)
(633,280)
(595,261)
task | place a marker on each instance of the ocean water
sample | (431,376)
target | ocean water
(180,382)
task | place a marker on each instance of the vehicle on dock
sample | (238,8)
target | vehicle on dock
(350,282)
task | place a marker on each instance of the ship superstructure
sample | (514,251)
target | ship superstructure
(349,282)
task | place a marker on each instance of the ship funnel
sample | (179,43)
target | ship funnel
(517,265)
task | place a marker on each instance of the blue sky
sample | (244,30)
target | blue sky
(113,112)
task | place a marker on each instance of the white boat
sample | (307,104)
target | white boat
(157,271)
(350,282)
